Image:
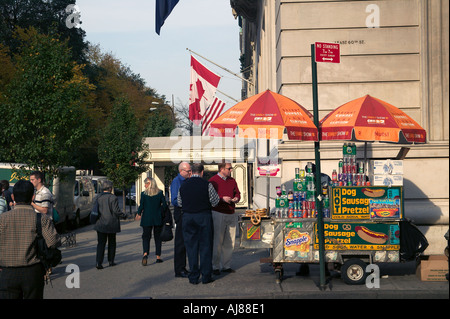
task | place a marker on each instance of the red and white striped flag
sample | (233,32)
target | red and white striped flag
(211,113)
(202,89)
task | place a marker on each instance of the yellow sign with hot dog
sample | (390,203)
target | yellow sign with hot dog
(360,236)
(364,202)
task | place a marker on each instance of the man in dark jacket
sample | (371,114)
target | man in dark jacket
(196,197)
(108,224)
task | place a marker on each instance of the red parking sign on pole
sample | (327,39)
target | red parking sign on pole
(328,52)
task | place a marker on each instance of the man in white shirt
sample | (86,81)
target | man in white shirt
(43,199)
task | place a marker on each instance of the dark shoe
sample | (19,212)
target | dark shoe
(98,266)
(182,274)
(216,272)
(228,270)
(159,260)
(144,260)
(111,264)
(210,280)
(194,282)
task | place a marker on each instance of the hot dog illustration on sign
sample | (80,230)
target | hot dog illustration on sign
(370,236)
(373,192)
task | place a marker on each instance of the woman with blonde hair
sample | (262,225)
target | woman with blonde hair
(151,206)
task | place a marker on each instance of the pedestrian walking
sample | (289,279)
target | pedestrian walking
(224,218)
(196,197)
(151,207)
(107,224)
(179,258)
(43,199)
(21,272)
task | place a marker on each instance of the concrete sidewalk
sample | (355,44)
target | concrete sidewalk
(129,279)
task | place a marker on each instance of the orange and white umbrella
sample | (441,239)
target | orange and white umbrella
(371,119)
(266,115)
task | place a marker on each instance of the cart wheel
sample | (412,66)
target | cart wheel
(353,272)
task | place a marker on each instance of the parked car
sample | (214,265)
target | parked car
(131,196)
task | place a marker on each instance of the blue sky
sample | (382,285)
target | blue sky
(126,28)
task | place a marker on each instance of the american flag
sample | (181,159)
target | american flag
(211,113)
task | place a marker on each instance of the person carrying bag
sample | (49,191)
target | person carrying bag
(151,206)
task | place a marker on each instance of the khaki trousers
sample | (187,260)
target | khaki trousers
(224,239)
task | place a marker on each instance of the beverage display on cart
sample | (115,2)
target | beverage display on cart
(361,221)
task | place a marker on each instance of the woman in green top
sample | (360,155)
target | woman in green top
(151,205)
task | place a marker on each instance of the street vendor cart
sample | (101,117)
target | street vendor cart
(364,228)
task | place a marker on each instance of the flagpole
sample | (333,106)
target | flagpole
(227,96)
(221,67)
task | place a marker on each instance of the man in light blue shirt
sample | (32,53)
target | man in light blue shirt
(184,170)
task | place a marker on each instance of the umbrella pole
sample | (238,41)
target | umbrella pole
(268,178)
(320,227)
(365,160)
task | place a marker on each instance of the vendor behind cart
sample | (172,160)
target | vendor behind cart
(324,178)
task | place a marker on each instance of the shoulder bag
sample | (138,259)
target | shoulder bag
(95,214)
(50,257)
(166,231)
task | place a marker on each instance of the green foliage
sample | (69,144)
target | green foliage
(120,149)
(46,16)
(57,91)
(43,106)
(160,123)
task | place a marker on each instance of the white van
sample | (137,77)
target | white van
(84,194)
(98,183)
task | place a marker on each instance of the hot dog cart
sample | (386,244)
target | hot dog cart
(363,227)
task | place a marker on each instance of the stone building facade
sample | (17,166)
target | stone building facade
(395,50)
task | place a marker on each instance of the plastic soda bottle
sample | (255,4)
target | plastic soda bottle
(353,149)
(334,176)
(302,173)
(290,195)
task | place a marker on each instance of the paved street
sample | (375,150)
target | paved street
(129,279)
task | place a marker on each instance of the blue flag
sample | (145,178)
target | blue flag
(163,9)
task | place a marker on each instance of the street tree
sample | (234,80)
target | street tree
(161,122)
(45,16)
(121,150)
(44,105)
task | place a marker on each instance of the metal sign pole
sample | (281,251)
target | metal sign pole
(320,227)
